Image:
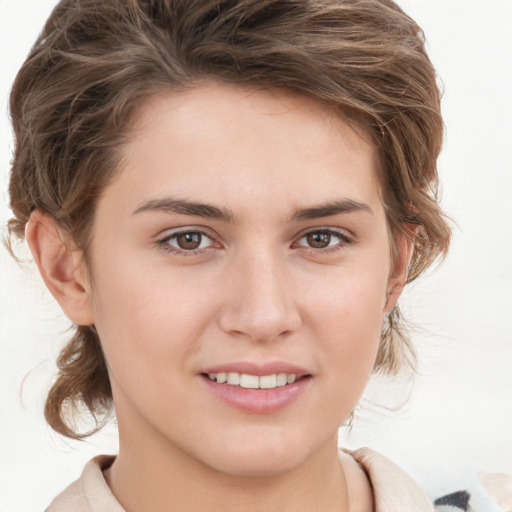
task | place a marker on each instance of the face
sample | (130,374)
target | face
(243,239)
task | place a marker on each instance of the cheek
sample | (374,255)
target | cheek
(351,300)
(348,321)
(147,322)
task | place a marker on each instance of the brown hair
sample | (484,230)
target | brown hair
(96,60)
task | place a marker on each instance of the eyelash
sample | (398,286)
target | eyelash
(164,242)
(343,241)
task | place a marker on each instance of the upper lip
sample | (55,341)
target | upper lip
(254,368)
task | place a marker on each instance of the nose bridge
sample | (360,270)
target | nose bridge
(262,305)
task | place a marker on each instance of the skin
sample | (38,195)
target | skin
(254,290)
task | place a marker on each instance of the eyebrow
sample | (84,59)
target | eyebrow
(331,208)
(182,207)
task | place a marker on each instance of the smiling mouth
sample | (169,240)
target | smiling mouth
(248,381)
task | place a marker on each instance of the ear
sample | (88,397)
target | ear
(398,278)
(61,268)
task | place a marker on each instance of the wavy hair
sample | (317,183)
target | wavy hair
(97,60)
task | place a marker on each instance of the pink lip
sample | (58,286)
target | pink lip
(258,401)
(252,368)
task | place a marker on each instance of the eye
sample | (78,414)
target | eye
(323,239)
(189,241)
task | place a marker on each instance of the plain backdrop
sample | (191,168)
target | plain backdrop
(456,414)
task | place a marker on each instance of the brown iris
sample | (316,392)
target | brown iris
(189,241)
(319,239)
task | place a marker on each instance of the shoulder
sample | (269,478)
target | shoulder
(393,489)
(90,493)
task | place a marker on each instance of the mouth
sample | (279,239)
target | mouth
(249,381)
(255,390)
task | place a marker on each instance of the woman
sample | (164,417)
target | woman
(227,199)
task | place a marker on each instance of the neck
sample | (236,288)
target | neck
(151,479)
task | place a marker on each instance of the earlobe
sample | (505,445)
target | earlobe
(60,268)
(398,278)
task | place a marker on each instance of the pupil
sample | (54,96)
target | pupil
(319,240)
(189,241)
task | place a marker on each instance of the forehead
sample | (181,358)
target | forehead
(226,140)
(203,108)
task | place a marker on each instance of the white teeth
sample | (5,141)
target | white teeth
(233,378)
(281,379)
(268,381)
(249,381)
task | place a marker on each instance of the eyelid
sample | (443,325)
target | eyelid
(169,234)
(327,229)
(345,238)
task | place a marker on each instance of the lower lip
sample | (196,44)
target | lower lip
(258,401)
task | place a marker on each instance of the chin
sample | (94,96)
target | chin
(263,466)
(259,458)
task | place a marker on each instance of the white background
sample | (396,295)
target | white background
(458,416)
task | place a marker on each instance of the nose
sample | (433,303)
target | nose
(261,303)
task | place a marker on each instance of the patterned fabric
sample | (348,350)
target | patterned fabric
(476,499)
(454,502)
